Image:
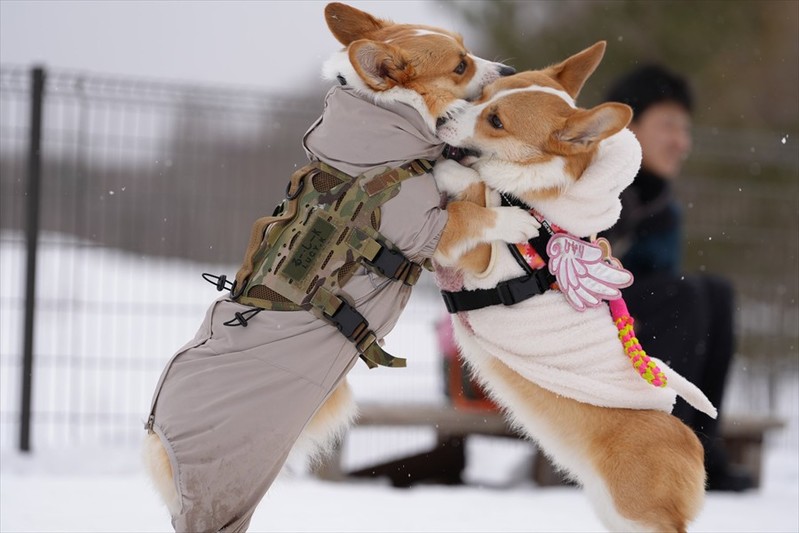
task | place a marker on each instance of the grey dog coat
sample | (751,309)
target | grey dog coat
(232,402)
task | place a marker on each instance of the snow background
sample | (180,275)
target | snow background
(85,472)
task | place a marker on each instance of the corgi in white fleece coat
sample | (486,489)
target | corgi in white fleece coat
(562,374)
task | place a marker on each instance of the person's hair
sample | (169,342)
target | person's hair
(648,85)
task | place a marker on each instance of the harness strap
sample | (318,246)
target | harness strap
(355,328)
(507,292)
(394,176)
(389,263)
(514,290)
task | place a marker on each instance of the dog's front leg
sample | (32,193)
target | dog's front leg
(453,179)
(469,225)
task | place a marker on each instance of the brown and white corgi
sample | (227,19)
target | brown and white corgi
(392,66)
(560,374)
(426,67)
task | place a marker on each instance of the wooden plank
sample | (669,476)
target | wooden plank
(740,426)
(445,419)
(742,433)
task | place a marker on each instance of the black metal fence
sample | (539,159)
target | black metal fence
(146,184)
(129,169)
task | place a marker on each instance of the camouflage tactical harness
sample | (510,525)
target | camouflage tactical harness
(301,256)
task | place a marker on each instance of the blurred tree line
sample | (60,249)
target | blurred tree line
(742,57)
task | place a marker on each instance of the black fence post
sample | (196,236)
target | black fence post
(32,238)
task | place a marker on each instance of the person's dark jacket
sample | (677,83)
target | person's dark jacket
(648,236)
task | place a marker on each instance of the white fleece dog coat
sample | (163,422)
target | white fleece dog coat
(571,353)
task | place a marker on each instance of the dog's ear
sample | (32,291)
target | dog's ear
(349,24)
(587,127)
(380,65)
(574,71)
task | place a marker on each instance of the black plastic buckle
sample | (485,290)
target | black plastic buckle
(348,320)
(388,262)
(519,289)
(449,302)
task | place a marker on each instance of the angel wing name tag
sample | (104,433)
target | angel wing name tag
(586,272)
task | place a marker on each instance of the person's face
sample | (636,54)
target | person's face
(664,131)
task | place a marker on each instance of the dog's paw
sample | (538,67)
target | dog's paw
(513,225)
(452,177)
(455,108)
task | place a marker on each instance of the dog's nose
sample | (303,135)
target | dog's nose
(505,70)
(441,121)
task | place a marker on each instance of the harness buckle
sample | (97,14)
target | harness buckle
(388,262)
(519,289)
(349,321)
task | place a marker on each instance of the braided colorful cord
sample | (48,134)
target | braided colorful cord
(646,368)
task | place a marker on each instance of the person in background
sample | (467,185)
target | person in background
(685,319)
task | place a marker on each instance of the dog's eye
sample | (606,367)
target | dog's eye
(495,122)
(461,68)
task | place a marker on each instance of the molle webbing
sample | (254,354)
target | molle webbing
(327,226)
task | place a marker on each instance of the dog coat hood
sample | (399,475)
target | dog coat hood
(356,135)
(592,204)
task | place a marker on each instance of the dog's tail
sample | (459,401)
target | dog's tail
(690,392)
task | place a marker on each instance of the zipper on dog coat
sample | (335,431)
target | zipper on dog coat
(303,255)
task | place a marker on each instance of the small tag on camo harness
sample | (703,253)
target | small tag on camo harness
(305,257)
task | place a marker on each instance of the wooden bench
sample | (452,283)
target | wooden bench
(444,463)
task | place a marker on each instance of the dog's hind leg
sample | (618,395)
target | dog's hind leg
(328,424)
(156,462)
(653,466)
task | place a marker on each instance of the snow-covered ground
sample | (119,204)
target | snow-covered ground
(100,359)
(100,490)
